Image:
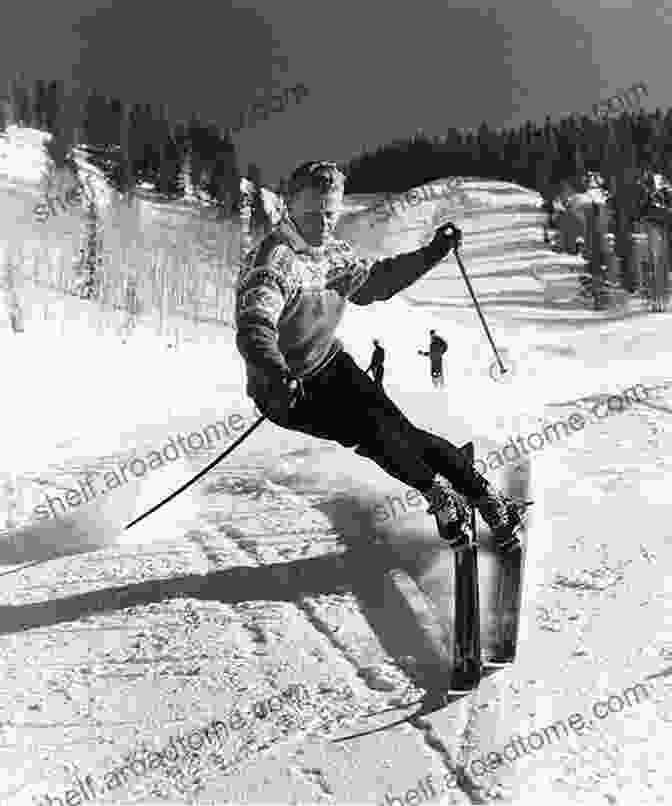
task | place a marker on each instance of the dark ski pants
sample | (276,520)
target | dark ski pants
(341,403)
(436,370)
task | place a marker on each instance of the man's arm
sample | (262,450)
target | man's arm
(387,277)
(393,274)
(261,297)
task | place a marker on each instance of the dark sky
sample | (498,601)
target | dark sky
(375,70)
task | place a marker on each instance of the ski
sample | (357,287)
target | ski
(508,580)
(466,637)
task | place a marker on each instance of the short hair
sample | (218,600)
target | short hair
(326,177)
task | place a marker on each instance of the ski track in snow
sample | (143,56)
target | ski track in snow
(266,573)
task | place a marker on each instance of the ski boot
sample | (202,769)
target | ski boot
(504,516)
(451,511)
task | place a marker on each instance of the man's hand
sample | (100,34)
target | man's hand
(446,238)
(279,398)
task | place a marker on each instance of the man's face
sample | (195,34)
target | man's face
(316,214)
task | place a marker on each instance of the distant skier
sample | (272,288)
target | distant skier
(437,347)
(290,298)
(377,365)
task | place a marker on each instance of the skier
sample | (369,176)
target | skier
(376,367)
(437,347)
(290,298)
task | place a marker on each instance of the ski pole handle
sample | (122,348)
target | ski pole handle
(295,389)
(457,236)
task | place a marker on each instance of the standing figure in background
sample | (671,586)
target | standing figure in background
(131,308)
(437,347)
(376,367)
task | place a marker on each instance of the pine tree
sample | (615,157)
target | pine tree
(181,138)
(52,106)
(59,149)
(5,113)
(169,173)
(89,282)
(224,183)
(622,174)
(101,127)
(125,165)
(579,171)
(153,135)
(258,214)
(169,179)
(60,120)
(91,122)
(136,143)
(21,103)
(196,153)
(40,101)
(546,166)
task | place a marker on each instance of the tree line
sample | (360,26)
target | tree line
(624,152)
(135,145)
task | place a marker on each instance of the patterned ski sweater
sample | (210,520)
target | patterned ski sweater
(290,299)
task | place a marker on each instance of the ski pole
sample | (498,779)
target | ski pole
(200,474)
(478,310)
(295,388)
(165,500)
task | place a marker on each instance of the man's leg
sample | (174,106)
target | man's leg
(379,431)
(436,372)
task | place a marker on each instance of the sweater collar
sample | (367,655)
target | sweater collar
(289,231)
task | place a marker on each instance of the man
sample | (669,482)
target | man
(290,298)
(437,347)
(377,363)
